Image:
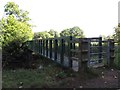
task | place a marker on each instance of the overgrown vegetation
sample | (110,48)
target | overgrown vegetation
(15,31)
(117,57)
(117,50)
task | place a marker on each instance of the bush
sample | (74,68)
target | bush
(15,55)
(117,57)
(15,31)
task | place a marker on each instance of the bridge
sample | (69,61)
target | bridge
(75,53)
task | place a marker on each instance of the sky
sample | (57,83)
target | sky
(94,17)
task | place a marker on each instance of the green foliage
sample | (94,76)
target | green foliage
(117,51)
(75,31)
(13,9)
(41,35)
(107,37)
(61,75)
(44,34)
(53,33)
(15,30)
(117,34)
(117,57)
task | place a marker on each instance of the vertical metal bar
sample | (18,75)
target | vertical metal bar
(108,52)
(100,50)
(47,48)
(80,55)
(111,52)
(89,44)
(55,49)
(50,45)
(74,48)
(70,47)
(44,47)
(39,45)
(62,52)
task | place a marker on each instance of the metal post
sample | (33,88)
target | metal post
(70,47)
(100,50)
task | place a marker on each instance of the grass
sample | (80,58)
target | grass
(29,77)
(49,75)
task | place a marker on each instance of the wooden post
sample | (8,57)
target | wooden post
(84,54)
(80,55)
(39,45)
(74,49)
(111,56)
(89,49)
(100,50)
(62,51)
(44,47)
(33,45)
(50,46)
(70,47)
(47,48)
(55,49)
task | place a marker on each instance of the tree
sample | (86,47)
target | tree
(16,30)
(41,35)
(75,31)
(13,9)
(117,34)
(117,51)
(65,32)
(53,33)
(44,34)
(13,30)
(36,35)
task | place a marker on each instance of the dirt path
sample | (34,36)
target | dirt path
(108,79)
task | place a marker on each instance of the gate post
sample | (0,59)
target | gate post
(46,48)
(100,50)
(55,49)
(110,55)
(50,47)
(70,47)
(84,54)
(62,51)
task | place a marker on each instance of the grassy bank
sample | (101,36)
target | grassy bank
(43,74)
